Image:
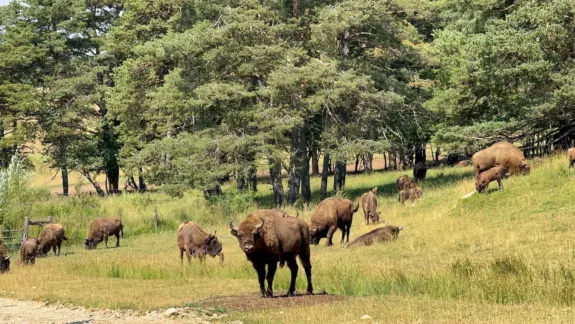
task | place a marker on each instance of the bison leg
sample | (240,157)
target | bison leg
(54,248)
(189,255)
(305,262)
(261,270)
(343,231)
(106,239)
(330,233)
(292,264)
(500,183)
(272,267)
(181,256)
(366,216)
(59,247)
(117,239)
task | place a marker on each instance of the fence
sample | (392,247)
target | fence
(13,239)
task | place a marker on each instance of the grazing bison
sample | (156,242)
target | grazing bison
(571,155)
(464,163)
(405,182)
(331,214)
(51,237)
(369,206)
(101,229)
(4,259)
(503,154)
(28,251)
(419,171)
(197,243)
(412,194)
(486,177)
(266,237)
(382,234)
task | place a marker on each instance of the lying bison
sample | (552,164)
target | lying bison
(405,182)
(197,243)
(51,237)
(382,234)
(571,155)
(266,237)
(486,177)
(502,154)
(28,251)
(419,171)
(4,259)
(331,214)
(101,229)
(369,206)
(410,194)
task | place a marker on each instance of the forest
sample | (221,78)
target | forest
(191,94)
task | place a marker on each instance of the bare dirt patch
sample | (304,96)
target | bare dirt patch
(254,303)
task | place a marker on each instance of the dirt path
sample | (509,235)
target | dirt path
(16,311)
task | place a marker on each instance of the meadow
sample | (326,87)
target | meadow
(506,256)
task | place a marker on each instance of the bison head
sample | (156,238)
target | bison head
(248,233)
(5,263)
(314,236)
(481,186)
(91,244)
(525,168)
(214,246)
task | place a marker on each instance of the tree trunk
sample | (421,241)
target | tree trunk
(113,176)
(253,178)
(65,185)
(339,176)
(368,162)
(315,162)
(324,176)
(96,185)
(141,183)
(299,164)
(241,182)
(437,154)
(356,162)
(277,185)
(384,160)
(305,183)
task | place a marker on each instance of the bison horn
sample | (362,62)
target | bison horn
(401,228)
(297,215)
(258,226)
(8,258)
(232,227)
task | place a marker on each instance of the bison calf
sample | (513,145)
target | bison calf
(486,177)
(267,237)
(369,206)
(331,214)
(51,237)
(382,234)
(410,194)
(197,243)
(101,229)
(28,251)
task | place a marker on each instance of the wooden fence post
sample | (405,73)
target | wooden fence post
(26,226)
(156,217)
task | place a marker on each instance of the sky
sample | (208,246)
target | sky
(4,2)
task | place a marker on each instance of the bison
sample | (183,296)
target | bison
(419,171)
(50,237)
(331,214)
(28,251)
(410,194)
(266,237)
(382,234)
(101,229)
(405,182)
(4,259)
(501,154)
(369,206)
(197,243)
(486,177)
(571,155)
(464,163)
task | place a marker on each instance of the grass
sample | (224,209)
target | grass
(506,256)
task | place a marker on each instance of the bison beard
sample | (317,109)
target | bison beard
(267,237)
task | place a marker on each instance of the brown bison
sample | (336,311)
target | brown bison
(51,237)
(410,194)
(503,154)
(486,177)
(28,251)
(405,182)
(4,259)
(197,243)
(101,229)
(571,155)
(369,206)
(419,171)
(331,214)
(266,237)
(382,234)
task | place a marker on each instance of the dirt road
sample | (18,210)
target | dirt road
(15,311)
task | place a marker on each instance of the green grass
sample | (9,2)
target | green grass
(507,255)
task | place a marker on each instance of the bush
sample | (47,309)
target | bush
(15,194)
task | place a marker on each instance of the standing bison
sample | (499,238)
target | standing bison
(101,229)
(4,259)
(197,243)
(571,155)
(266,237)
(405,182)
(502,154)
(382,234)
(331,214)
(369,206)
(51,237)
(28,251)
(419,171)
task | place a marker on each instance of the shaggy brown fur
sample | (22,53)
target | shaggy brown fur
(486,177)
(197,243)
(382,234)
(419,171)
(28,251)
(331,214)
(412,194)
(369,206)
(51,237)
(4,259)
(571,155)
(501,154)
(101,229)
(267,237)
(405,182)
(464,163)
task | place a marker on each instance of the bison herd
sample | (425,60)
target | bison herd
(269,237)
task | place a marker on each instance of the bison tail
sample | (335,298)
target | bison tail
(64,238)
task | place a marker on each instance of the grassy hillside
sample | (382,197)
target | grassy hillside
(503,256)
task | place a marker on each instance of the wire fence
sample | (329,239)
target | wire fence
(12,239)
